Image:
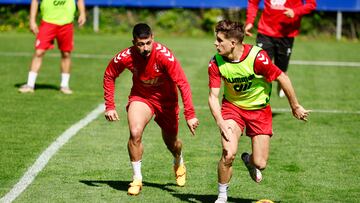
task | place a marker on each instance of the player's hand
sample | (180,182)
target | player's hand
(111,115)
(225,131)
(34,28)
(81,20)
(289,12)
(248,28)
(193,124)
(300,113)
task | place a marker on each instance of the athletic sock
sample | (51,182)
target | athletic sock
(223,188)
(179,161)
(65,77)
(136,165)
(32,79)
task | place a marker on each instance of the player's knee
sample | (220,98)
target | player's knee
(136,134)
(39,53)
(228,157)
(260,163)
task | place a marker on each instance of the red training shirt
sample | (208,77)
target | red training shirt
(155,78)
(273,22)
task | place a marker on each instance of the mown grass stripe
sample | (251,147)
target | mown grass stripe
(44,158)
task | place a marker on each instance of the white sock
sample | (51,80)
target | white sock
(136,170)
(65,77)
(31,79)
(179,161)
(223,188)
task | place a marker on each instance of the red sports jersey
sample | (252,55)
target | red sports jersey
(273,22)
(155,78)
(262,66)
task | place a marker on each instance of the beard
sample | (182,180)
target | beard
(145,53)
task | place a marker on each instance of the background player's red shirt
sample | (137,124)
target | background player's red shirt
(155,78)
(273,22)
(262,66)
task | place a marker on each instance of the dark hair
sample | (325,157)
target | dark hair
(231,29)
(141,30)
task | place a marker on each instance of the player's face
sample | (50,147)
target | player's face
(223,46)
(144,46)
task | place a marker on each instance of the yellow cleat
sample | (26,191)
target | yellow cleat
(135,187)
(180,174)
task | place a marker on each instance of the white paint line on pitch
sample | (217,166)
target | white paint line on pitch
(44,158)
(105,56)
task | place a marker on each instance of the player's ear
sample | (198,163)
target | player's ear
(233,42)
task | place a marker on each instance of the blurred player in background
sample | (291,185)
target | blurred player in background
(247,73)
(56,23)
(157,76)
(278,25)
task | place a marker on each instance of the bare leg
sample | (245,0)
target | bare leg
(139,115)
(37,60)
(229,152)
(173,143)
(65,62)
(260,148)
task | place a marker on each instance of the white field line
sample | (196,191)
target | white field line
(105,56)
(281,110)
(46,155)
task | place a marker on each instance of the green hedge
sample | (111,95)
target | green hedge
(193,22)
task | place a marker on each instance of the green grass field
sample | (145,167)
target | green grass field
(317,161)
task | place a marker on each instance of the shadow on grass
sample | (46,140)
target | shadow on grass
(123,186)
(40,86)
(208,198)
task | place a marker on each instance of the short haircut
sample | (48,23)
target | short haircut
(231,29)
(141,31)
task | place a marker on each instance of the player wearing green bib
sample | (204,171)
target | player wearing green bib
(56,24)
(247,73)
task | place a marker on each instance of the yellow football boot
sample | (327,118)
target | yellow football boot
(135,187)
(180,174)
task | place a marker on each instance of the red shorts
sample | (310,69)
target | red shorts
(48,32)
(166,115)
(256,122)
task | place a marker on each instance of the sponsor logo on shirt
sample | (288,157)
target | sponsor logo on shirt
(278,4)
(59,3)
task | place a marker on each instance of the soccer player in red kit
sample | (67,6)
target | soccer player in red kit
(247,73)
(157,75)
(278,26)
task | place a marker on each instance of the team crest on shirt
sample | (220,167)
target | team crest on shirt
(156,68)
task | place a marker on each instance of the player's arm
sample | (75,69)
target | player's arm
(215,108)
(82,12)
(213,100)
(112,71)
(263,66)
(251,11)
(32,19)
(177,74)
(306,8)
(298,111)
